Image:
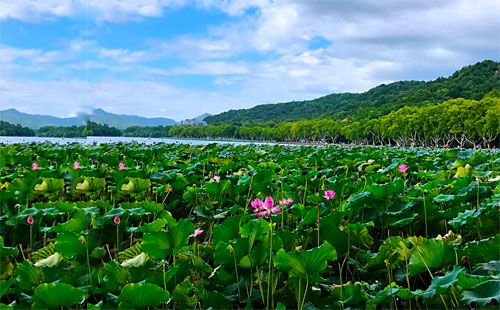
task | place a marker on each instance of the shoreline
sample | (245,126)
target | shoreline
(96,139)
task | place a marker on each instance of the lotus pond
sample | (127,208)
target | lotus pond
(165,226)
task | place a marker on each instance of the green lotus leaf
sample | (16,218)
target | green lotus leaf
(350,294)
(215,188)
(7,251)
(388,251)
(310,218)
(70,245)
(91,184)
(223,255)
(443,198)
(440,285)
(50,185)
(115,276)
(257,256)
(464,218)
(23,216)
(28,276)
(150,227)
(433,253)
(305,264)
(5,285)
(129,187)
(382,191)
(151,206)
(229,229)
(216,300)
(467,281)
(404,221)
(56,295)
(357,201)
(73,246)
(483,251)
(184,295)
(160,244)
(83,186)
(110,215)
(482,293)
(76,224)
(255,230)
(336,237)
(136,185)
(6,268)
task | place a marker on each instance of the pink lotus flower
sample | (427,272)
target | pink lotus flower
(257,205)
(403,168)
(121,166)
(76,165)
(285,202)
(34,167)
(217,178)
(116,220)
(30,220)
(269,208)
(329,194)
(197,232)
(169,190)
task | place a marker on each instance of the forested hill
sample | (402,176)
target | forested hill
(471,82)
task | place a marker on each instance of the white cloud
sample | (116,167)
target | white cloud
(213,68)
(101,10)
(35,10)
(144,97)
(370,42)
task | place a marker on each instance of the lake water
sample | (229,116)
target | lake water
(98,140)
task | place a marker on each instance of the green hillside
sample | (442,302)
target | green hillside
(471,82)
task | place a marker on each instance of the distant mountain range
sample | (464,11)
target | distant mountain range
(35,121)
(202,117)
(120,121)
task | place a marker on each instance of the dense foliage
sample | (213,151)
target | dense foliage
(471,82)
(101,130)
(62,131)
(149,131)
(131,226)
(457,122)
(7,129)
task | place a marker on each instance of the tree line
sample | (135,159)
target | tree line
(457,122)
(454,123)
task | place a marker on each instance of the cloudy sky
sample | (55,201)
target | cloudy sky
(182,58)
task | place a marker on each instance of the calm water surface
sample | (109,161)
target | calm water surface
(97,140)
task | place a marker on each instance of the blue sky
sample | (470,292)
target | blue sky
(181,58)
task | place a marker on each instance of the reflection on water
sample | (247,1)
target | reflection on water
(97,140)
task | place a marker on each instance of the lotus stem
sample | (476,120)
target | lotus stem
(237,277)
(318,223)
(430,273)
(270,263)
(88,263)
(117,237)
(260,285)
(31,238)
(425,215)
